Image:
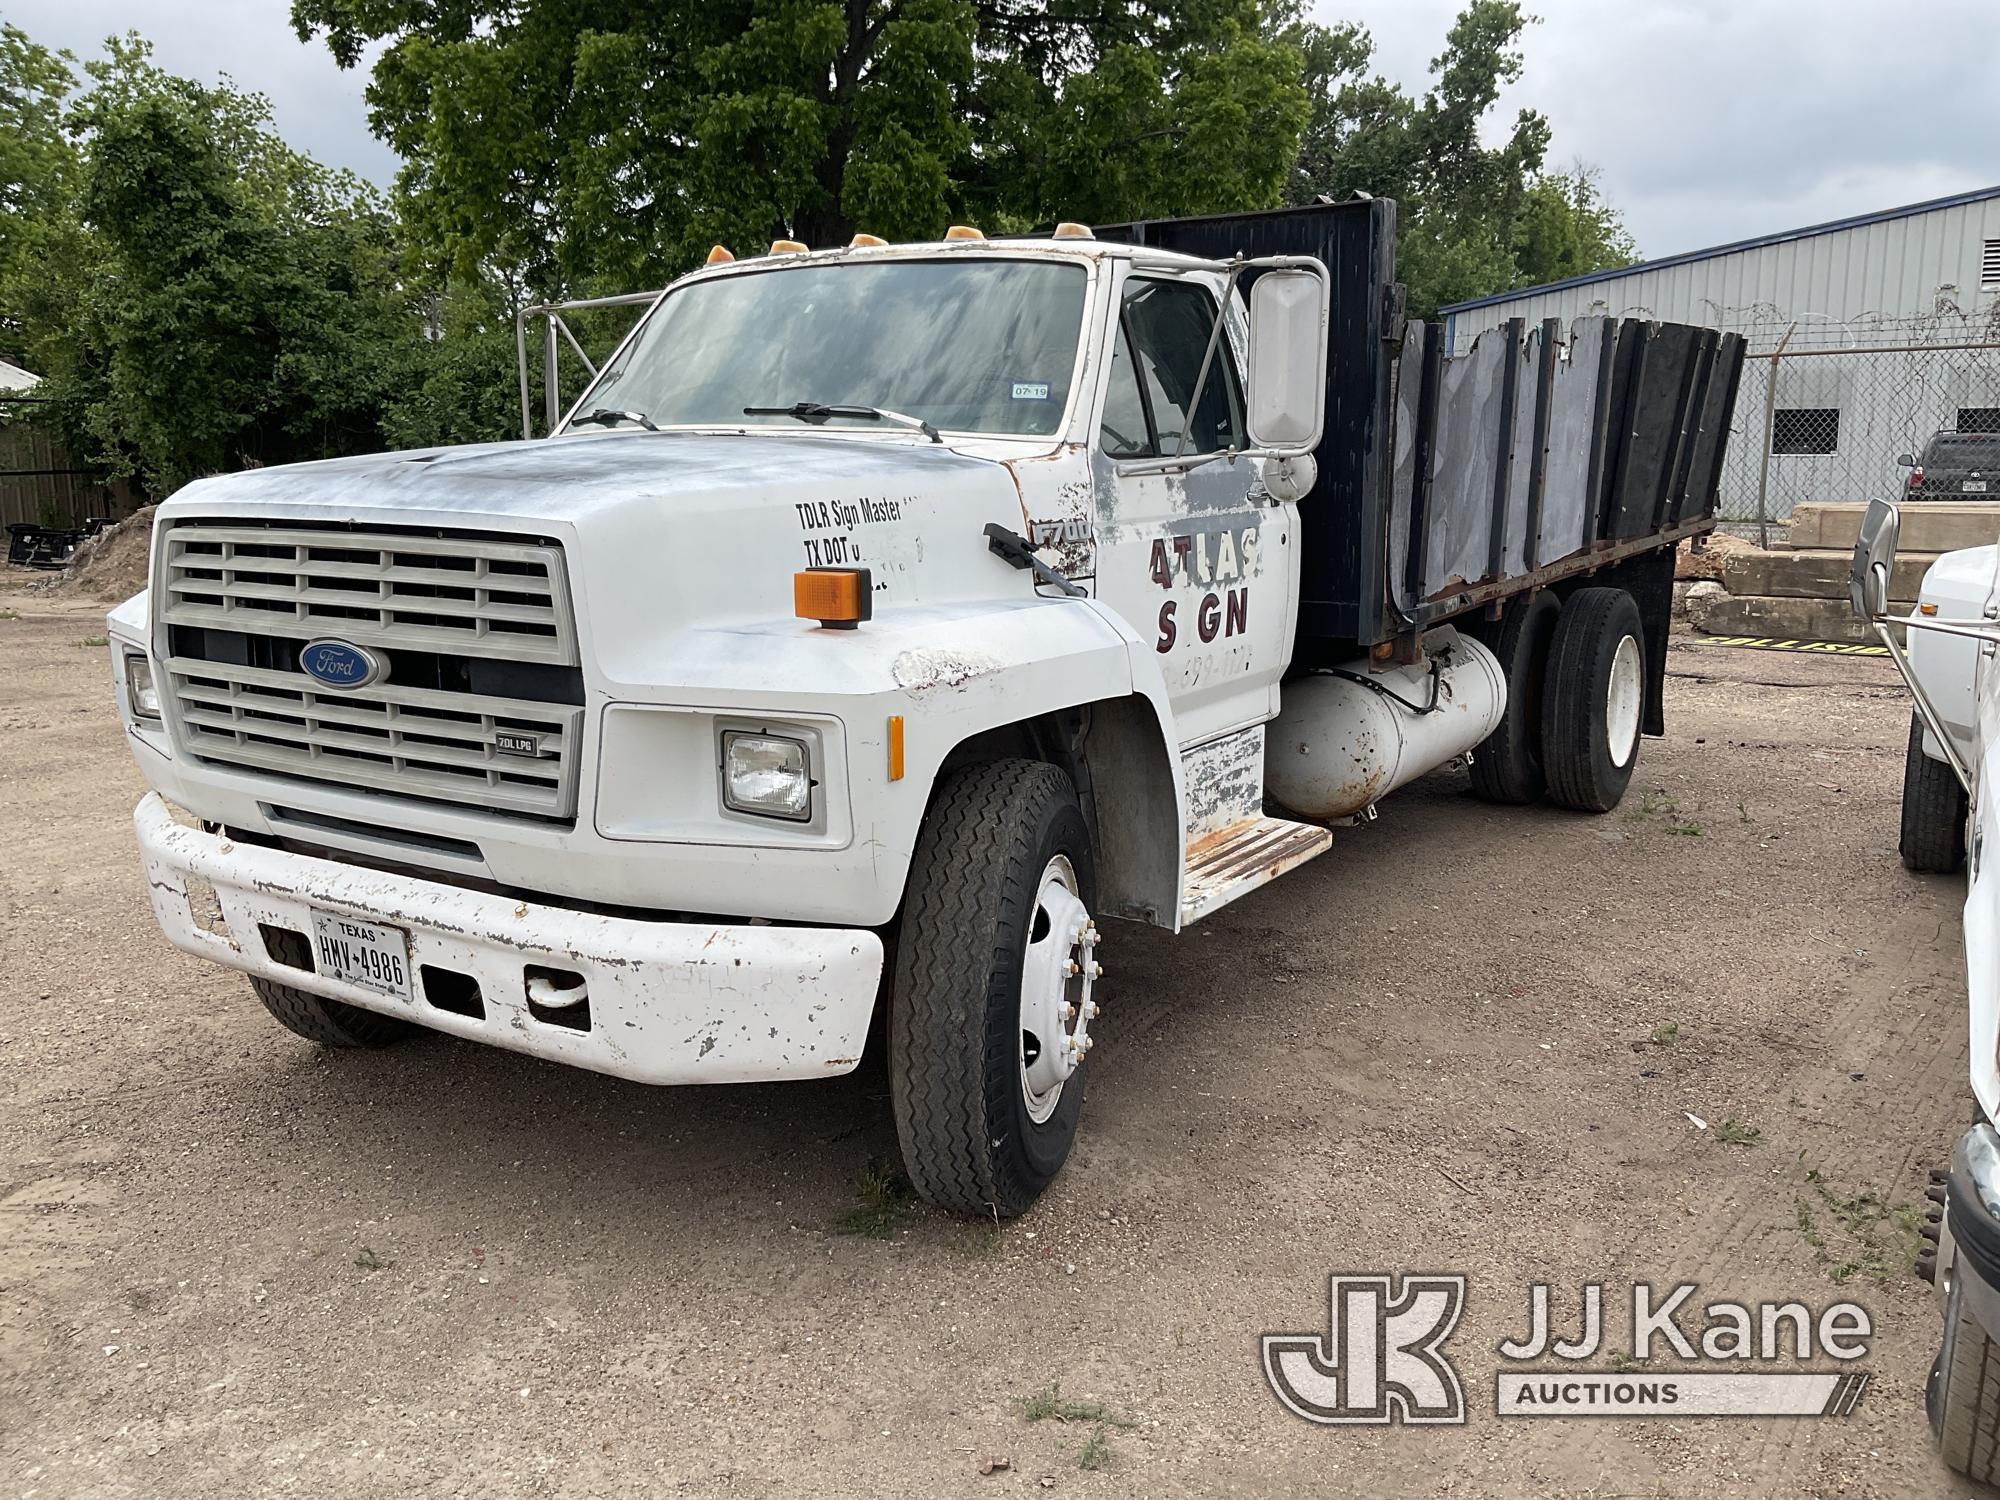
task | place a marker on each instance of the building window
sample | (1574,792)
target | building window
(1979,419)
(1805,429)
(1989,264)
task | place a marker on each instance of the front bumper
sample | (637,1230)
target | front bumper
(669,1002)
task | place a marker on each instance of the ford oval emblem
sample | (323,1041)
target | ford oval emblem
(336,664)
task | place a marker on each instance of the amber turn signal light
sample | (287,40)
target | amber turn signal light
(839,598)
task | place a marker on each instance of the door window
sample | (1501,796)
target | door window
(1156,363)
(1124,432)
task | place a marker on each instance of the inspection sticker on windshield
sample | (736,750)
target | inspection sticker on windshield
(1031,390)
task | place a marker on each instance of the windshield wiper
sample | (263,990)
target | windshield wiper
(608,417)
(819,411)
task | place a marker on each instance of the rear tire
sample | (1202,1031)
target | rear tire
(1593,699)
(331,1023)
(984,1123)
(1934,809)
(1507,767)
(1963,1397)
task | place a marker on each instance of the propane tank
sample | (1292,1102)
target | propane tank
(1347,737)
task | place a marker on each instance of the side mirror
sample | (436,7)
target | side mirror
(1906,460)
(1874,560)
(1289,311)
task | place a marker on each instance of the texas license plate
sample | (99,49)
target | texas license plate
(1972,485)
(372,955)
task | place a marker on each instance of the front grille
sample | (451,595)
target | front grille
(474,596)
(484,659)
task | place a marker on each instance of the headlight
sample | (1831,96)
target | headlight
(140,690)
(767,775)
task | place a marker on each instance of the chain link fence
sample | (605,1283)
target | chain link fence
(1831,421)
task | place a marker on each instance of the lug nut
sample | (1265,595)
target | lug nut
(1091,1011)
(1097,971)
(1070,967)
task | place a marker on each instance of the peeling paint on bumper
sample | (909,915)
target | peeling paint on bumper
(670,1002)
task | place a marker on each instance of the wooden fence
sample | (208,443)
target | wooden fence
(42,483)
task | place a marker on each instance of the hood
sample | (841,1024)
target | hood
(570,478)
(667,533)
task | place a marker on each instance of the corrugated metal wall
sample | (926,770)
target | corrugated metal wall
(1892,281)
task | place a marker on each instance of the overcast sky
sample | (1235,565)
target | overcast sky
(1710,120)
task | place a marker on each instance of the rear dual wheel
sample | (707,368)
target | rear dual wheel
(1593,699)
(1576,691)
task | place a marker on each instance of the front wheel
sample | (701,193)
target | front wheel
(989,1017)
(1963,1398)
(331,1023)
(1934,808)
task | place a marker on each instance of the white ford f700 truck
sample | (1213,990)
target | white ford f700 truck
(879,624)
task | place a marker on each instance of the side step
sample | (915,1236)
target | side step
(1234,861)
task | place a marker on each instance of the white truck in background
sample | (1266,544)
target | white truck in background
(881,621)
(1951,817)
(1959,585)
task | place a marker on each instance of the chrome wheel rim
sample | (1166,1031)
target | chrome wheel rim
(1058,972)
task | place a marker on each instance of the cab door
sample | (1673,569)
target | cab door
(1202,562)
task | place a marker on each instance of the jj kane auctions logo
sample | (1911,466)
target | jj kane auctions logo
(1382,1360)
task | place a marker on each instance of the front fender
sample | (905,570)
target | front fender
(949,673)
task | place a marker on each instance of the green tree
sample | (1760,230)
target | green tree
(1474,219)
(1566,228)
(38,167)
(228,302)
(587,144)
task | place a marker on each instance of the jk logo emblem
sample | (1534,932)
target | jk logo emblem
(1379,1360)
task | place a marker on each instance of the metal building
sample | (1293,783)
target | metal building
(1867,337)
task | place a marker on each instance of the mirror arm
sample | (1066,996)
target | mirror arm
(1927,711)
(1208,357)
(1174,464)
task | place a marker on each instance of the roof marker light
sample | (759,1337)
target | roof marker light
(1069,230)
(963,232)
(720,256)
(787,247)
(862,240)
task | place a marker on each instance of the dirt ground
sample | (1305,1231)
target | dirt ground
(1468,1039)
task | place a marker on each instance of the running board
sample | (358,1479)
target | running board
(1234,861)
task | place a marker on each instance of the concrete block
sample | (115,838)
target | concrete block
(1780,618)
(1817,574)
(1931,526)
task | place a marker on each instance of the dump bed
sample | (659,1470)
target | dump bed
(1446,483)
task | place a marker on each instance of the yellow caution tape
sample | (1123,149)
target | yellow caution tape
(1821,648)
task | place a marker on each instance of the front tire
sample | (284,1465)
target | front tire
(331,1023)
(1963,1398)
(1934,809)
(1593,699)
(987,1023)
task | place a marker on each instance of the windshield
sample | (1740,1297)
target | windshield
(968,345)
